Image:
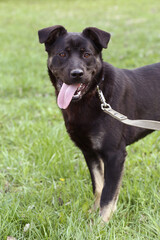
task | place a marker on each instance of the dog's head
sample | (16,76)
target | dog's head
(74,59)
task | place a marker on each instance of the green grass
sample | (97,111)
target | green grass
(44,180)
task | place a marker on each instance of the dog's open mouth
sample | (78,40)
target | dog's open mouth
(79,92)
(70,92)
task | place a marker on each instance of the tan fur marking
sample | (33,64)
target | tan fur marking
(99,182)
(50,61)
(97,140)
(106,212)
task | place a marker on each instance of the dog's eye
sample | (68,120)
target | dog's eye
(86,55)
(62,54)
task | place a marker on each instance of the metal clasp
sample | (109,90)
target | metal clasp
(103,100)
(105,106)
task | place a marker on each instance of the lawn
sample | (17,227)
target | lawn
(45,187)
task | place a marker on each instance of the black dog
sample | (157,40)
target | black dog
(75,68)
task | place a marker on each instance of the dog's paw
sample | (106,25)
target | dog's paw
(107,211)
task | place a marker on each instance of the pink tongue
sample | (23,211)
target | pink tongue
(65,95)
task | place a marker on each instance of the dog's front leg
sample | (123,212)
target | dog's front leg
(113,169)
(96,168)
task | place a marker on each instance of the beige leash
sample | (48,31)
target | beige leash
(148,124)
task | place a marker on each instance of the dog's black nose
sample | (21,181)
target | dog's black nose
(76,73)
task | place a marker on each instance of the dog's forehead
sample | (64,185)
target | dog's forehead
(76,40)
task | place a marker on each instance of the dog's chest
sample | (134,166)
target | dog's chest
(84,125)
(79,133)
(86,135)
(97,139)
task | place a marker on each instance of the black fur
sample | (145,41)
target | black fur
(135,93)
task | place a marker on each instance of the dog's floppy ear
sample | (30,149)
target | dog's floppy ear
(99,37)
(48,35)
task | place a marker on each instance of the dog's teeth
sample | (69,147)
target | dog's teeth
(81,87)
(78,94)
(79,90)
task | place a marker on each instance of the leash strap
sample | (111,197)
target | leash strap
(148,124)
